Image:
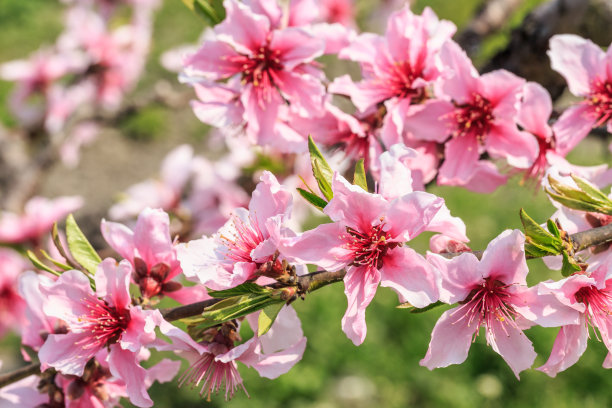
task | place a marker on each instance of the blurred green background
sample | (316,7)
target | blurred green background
(384,371)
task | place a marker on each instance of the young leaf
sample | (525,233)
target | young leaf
(206,10)
(590,189)
(38,264)
(538,241)
(243,289)
(359,179)
(267,317)
(312,198)
(320,169)
(80,248)
(57,263)
(569,265)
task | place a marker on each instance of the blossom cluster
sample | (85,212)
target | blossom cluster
(206,236)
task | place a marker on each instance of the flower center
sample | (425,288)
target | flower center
(598,305)
(474,118)
(401,76)
(245,238)
(103,322)
(369,248)
(601,100)
(488,302)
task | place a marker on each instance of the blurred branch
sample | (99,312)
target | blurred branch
(490,18)
(525,54)
(19,374)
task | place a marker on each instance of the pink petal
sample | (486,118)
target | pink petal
(243,29)
(354,206)
(429,121)
(119,237)
(321,246)
(269,199)
(284,333)
(162,372)
(275,364)
(410,214)
(545,309)
(502,89)
(360,287)
(573,125)
(141,329)
(152,237)
(305,92)
(511,343)
(214,60)
(450,341)
(504,258)
(113,283)
(124,365)
(459,275)
(570,344)
(520,149)
(535,110)
(579,60)
(463,78)
(60,352)
(410,276)
(444,223)
(63,299)
(461,158)
(296,47)
(260,111)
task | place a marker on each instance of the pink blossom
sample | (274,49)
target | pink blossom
(12,306)
(367,238)
(96,321)
(99,389)
(576,303)
(275,66)
(588,72)
(490,293)
(152,254)
(37,325)
(245,242)
(22,394)
(38,217)
(474,114)
(399,65)
(213,361)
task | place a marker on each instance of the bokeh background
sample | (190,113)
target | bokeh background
(384,371)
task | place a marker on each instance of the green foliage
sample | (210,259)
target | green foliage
(145,125)
(320,169)
(586,197)
(211,11)
(359,179)
(81,250)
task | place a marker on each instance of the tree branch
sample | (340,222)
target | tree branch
(19,374)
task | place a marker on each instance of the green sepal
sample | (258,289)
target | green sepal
(80,248)
(586,197)
(320,169)
(538,241)
(312,198)
(359,179)
(266,318)
(40,265)
(57,263)
(569,265)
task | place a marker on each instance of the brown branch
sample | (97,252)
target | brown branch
(596,236)
(19,374)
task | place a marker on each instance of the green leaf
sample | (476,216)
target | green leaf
(211,11)
(552,227)
(359,179)
(57,263)
(538,241)
(80,248)
(580,205)
(267,317)
(243,289)
(312,198)
(591,190)
(320,169)
(569,265)
(40,265)
(231,308)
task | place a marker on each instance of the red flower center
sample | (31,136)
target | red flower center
(246,237)
(474,118)
(369,248)
(106,324)
(489,301)
(598,305)
(601,100)
(400,78)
